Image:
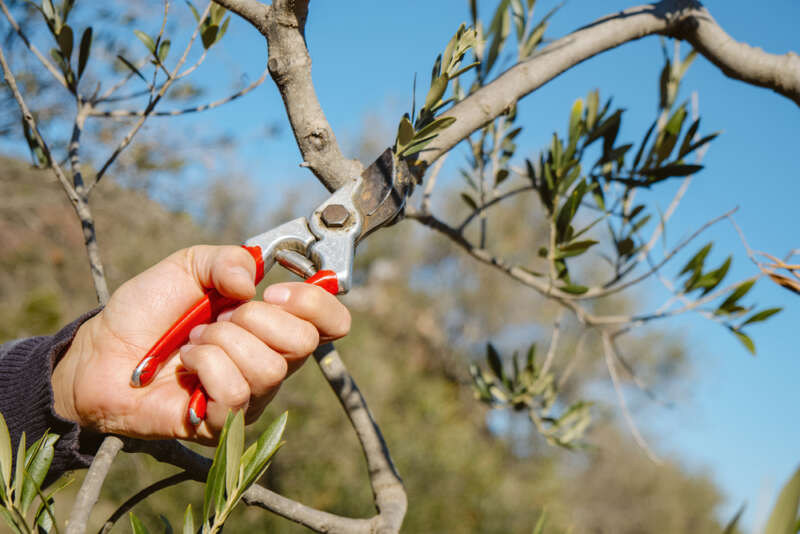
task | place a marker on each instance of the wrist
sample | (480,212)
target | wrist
(63,378)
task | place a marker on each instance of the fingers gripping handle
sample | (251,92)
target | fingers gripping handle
(327,280)
(204,311)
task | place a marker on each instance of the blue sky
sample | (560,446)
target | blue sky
(738,419)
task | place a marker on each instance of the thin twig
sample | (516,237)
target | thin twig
(195,109)
(608,350)
(49,66)
(151,106)
(425,206)
(90,489)
(551,352)
(171,480)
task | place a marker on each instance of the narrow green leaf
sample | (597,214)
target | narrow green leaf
(575,119)
(712,279)
(539,528)
(495,362)
(730,528)
(405,132)
(671,170)
(146,40)
(163,50)
(233,452)
(48,11)
(763,315)
(165,522)
(501,176)
(573,289)
(640,152)
(268,443)
(66,41)
(209,36)
(5,514)
(85,50)
(687,138)
(222,30)
(131,67)
(188,521)
(592,103)
(194,11)
(745,340)
(469,201)
(5,453)
(215,483)
(435,126)
(576,248)
(784,514)
(137,526)
(37,469)
(19,470)
(694,146)
(697,261)
(435,93)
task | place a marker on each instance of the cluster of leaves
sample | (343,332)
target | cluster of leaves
(415,132)
(213,27)
(531,389)
(64,36)
(697,279)
(232,472)
(528,34)
(18,492)
(56,19)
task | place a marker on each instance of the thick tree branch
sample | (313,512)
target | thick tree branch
(283,24)
(682,19)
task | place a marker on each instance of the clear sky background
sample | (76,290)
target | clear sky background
(738,419)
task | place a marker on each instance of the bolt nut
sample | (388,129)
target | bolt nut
(335,215)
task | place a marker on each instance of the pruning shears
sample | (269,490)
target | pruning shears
(319,248)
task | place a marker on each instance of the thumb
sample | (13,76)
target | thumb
(229,269)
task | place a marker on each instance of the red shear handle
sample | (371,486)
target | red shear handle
(198,402)
(204,311)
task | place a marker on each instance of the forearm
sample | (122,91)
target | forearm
(26,397)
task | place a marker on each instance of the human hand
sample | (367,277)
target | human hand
(241,359)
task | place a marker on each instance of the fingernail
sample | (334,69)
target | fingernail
(225,316)
(276,294)
(241,272)
(197,331)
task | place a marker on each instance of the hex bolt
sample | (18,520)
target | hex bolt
(335,215)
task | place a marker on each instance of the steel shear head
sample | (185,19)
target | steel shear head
(328,238)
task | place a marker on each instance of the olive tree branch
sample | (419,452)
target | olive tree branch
(682,19)
(152,104)
(172,113)
(283,25)
(44,61)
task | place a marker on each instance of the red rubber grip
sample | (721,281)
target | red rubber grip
(198,402)
(204,311)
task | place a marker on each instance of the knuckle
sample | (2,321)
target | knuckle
(272,373)
(238,395)
(247,313)
(307,339)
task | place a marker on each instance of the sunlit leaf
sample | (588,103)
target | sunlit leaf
(573,289)
(37,467)
(745,340)
(233,452)
(188,521)
(5,453)
(85,50)
(137,526)
(763,315)
(783,517)
(146,40)
(267,445)
(163,50)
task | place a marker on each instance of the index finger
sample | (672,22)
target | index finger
(313,304)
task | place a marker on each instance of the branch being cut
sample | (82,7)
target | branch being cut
(682,19)
(283,25)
